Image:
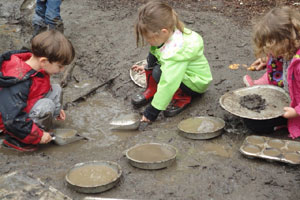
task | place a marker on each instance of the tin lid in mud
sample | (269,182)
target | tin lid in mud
(93,176)
(203,127)
(137,77)
(270,103)
(151,155)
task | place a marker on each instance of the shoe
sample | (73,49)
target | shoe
(179,102)
(46,122)
(248,81)
(38,29)
(13,143)
(264,80)
(139,100)
(58,26)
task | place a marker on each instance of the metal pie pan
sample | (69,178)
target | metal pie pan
(96,188)
(276,99)
(144,156)
(136,77)
(201,128)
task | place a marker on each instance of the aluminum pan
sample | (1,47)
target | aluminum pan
(136,77)
(276,99)
(98,188)
(200,134)
(152,165)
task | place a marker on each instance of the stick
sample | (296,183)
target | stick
(83,96)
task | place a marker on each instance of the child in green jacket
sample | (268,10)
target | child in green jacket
(177,68)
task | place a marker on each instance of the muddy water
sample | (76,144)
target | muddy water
(92,175)
(272,152)
(151,153)
(276,143)
(252,149)
(255,140)
(199,125)
(293,157)
(293,146)
(65,133)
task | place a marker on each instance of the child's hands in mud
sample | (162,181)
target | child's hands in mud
(46,138)
(62,115)
(290,112)
(258,65)
(138,68)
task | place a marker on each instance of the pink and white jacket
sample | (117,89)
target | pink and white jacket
(293,79)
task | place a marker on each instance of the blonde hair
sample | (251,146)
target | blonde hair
(154,16)
(54,46)
(279,31)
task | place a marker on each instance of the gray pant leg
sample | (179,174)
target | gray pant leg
(46,108)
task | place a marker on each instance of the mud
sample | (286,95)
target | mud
(253,102)
(92,175)
(151,153)
(103,36)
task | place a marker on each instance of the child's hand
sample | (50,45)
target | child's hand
(62,115)
(138,68)
(259,64)
(144,119)
(290,112)
(46,138)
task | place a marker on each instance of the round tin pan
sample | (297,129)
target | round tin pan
(136,77)
(146,164)
(276,99)
(201,128)
(96,188)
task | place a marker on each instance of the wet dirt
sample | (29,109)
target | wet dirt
(253,102)
(103,36)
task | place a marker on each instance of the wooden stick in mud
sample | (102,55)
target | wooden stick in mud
(83,96)
(66,76)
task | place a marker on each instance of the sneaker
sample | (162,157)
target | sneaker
(13,143)
(248,81)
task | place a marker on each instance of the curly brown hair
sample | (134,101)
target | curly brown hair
(154,16)
(278,32)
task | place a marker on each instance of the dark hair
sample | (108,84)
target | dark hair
(278,30)
(54,46)
(154,16)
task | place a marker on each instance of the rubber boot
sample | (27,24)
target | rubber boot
(38,29)
(179,102)
(141,99)
(261,81)
(12,143)
(46,122)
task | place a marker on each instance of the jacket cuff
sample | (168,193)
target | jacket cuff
(151,113)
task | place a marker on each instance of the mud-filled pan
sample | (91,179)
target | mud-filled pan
(93,176)
(271,149)
(137,77)
(151,155)
(200,128)
(65,136)
(275,99)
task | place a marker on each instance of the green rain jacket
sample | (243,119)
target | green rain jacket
(182,60)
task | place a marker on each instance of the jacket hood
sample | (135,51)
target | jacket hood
(15,70)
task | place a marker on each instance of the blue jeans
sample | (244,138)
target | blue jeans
(47,12)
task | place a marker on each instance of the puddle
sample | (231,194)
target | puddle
(124,134)
(217,149)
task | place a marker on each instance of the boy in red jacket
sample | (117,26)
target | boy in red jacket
(27,99)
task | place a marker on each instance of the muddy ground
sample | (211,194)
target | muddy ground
(102,33)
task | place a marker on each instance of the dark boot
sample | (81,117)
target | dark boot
(38,29)
(141,99)
(12,143)
(179,102)
(45,123)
